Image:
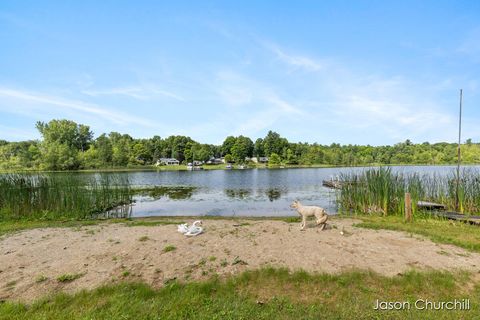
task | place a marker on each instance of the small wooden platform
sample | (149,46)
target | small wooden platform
(332,184)
(459,217)
(430,205)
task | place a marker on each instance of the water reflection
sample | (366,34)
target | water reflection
(275,193)
(122,212)
(238,194)
(256,192)
(171,192)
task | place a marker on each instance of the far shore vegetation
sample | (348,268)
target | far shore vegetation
(66,145)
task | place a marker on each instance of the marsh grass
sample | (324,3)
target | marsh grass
(65,195)
(261,294)
(381,191)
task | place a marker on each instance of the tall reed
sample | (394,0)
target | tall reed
(63,195)
(383,191)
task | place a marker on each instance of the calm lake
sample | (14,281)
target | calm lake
(250,192)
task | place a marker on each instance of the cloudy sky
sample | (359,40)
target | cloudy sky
(360,72)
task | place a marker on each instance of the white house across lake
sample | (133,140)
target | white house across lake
(167,161)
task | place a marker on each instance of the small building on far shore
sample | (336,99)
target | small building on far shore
(259,159)
(214,160)
(167,161)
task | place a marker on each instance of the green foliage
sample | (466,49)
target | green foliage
(382,191)
(67,145)
(274,159)
(62,141)
(228,158)
(242,148)
(29,196)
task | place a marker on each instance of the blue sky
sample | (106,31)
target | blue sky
(359,72)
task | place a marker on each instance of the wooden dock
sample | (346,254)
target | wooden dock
(440,210)
(431,206)
(332,184)
(459,217)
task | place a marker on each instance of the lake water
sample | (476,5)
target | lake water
(250,192)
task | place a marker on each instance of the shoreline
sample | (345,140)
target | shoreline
(222,167)
(154,252)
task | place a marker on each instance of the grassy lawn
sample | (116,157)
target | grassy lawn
(269,293)
(261,294)
(436,229)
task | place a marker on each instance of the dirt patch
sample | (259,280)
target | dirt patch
(33,261)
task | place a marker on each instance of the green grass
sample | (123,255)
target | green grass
(169,248)
(261,294)
(61,195)
(436,229)
(41,278)
(69,277)
(382,191)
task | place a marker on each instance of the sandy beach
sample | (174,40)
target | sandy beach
(32,260)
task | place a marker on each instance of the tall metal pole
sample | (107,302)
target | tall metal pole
(457,200)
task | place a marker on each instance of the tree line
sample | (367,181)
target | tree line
(66,145)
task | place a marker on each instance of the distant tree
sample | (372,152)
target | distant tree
(104,150)
(258,150)
(228,144)
(273,143)
(274,159)
(66,145)
(62,141)
(242,148)
(66,132)
(204,152)
(228,158)
(139,153)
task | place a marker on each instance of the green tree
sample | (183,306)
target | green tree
(62,142)
(228,158)
(274,159)
(273,143)
(258,150)
(228,145)
(242,148)
(104,149)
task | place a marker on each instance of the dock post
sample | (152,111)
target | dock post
(408,207)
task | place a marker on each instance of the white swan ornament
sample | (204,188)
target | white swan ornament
(190,231)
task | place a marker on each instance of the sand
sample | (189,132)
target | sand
(32,260)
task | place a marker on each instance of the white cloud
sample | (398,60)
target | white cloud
(254,105)
(34,103)
(351,102)
(294,60)
(142,92)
